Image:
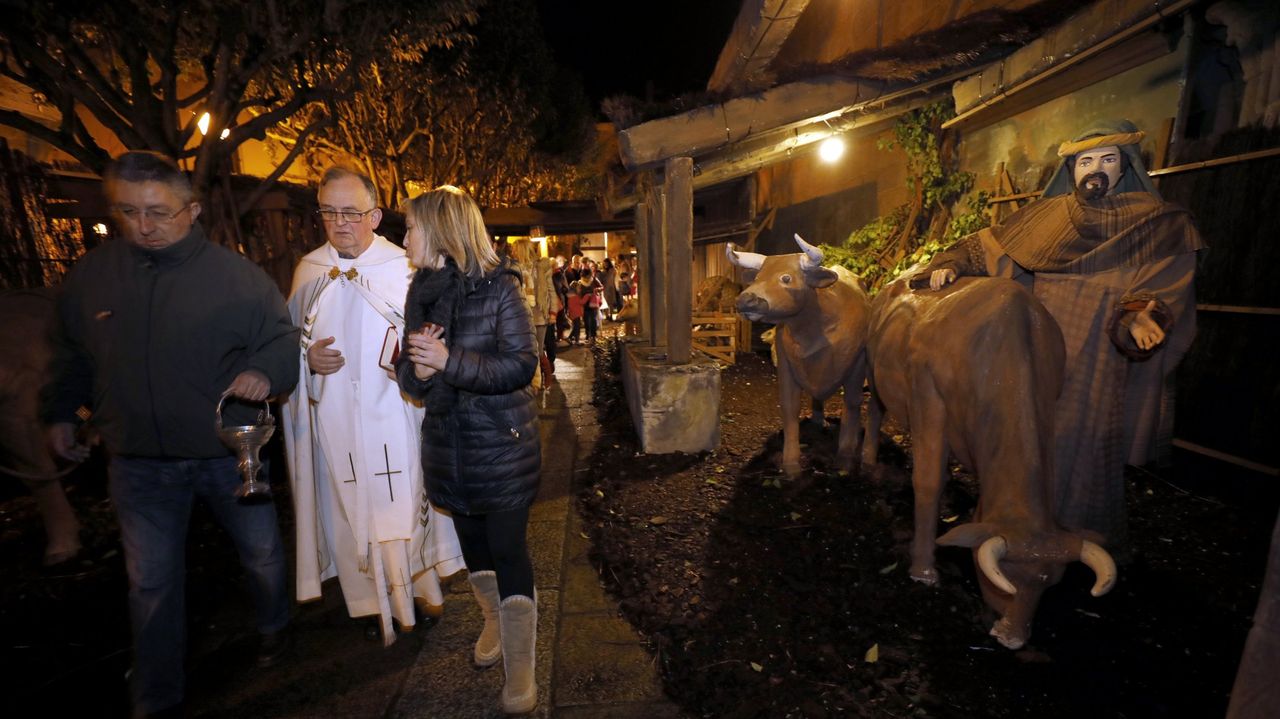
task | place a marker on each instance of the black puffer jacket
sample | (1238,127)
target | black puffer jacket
(481,453)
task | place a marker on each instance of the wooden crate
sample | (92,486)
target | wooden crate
(716,334)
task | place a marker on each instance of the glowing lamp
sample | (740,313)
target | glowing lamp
(831,149)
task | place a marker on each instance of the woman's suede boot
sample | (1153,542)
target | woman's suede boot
(519,618)
(488,647)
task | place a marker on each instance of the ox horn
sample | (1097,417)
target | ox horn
(990,553)
(812,255)
(1104,567)
(749,260)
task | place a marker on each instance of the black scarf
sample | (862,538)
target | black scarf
(433,297)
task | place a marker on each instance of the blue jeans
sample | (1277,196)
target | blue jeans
(153,500)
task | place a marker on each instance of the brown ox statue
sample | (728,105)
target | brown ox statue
(975,369)
(25,318)
(821,314)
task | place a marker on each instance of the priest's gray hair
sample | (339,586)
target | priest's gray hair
(341,172)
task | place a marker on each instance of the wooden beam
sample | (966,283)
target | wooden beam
(714,126)
(643,264)
(761,29)
(1001,89)
(678,188)
(657,267)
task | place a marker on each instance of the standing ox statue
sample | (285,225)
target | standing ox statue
(821,314)
(975,369)
(25,317)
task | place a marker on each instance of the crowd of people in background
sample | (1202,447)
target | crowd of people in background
(570,298)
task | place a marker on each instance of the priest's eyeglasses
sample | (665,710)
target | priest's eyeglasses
(348,216)
(154,216)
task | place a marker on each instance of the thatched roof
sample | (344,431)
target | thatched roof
(969,42)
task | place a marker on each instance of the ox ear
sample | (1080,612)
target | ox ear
(819,277)
(968,535)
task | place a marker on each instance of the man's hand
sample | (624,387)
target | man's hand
(251,385)
(1146,331)
(321,359)
(62,440)
(427,352)
(941,278)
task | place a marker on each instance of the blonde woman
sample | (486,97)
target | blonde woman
(469,355)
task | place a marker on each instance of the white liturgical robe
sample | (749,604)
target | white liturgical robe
(352,441)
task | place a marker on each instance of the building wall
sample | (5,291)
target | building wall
(1028,142)
(824,202)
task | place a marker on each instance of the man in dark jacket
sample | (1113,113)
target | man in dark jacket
(151,331)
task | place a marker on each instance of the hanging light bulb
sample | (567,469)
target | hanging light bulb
(203,124)
(831,149)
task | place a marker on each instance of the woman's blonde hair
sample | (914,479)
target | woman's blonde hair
(524,252)
(453,226)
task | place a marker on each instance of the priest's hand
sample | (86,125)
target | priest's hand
(1145,330)
(251,385)
(321,359)
(941,278)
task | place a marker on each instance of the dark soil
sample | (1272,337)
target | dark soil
(762,598)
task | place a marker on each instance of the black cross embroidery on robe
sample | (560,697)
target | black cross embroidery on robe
(387,459)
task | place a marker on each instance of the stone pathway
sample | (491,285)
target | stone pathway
(591,663)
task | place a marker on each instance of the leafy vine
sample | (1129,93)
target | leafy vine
(915,231)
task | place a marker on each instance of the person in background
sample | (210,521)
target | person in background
(151,330)
(575,269)
(590,292)
(541,298)
(560,283)
(612,298)
(469,357)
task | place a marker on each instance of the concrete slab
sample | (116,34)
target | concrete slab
(444,683)
(675,408)
(546,548)
(555,508)
(600,660)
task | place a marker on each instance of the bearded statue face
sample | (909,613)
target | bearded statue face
(1096,172)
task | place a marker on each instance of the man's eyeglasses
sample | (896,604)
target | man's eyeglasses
(156,217)
(349,216)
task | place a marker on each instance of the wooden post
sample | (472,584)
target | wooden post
(642,264)
(657,268)
(678,184)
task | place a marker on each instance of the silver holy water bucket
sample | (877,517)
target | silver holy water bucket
(246,440)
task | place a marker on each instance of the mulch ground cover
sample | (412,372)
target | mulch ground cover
(766,598)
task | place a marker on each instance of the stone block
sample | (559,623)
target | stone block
(675,408)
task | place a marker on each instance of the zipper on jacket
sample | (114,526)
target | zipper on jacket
(153,279)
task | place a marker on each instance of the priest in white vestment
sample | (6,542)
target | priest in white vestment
(352,438)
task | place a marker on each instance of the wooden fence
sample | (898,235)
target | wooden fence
(716,333)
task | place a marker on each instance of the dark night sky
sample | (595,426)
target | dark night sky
(618,47)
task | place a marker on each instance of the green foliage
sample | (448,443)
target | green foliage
(859,251)
(974,218)
(917,134)
(885,247)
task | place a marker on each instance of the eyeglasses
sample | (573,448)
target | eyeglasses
(348,216)
(156,217)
